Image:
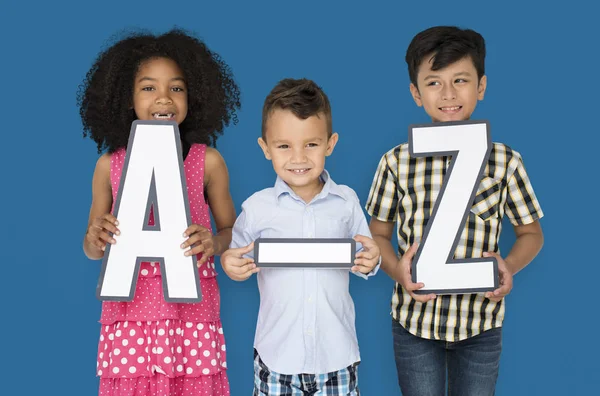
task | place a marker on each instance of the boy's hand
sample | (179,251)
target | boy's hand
(97,233)
(506,279)
(237,267)
(200,240)
(367,259)
(403,275)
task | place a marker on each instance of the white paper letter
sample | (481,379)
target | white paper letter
(469,144)
(153,175)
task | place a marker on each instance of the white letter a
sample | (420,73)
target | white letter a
(153,176)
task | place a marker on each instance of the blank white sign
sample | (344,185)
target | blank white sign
(305,253)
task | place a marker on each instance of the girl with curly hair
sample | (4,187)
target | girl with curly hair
(149,346)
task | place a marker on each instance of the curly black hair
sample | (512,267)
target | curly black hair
(105,96)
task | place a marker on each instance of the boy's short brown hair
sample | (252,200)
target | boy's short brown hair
(302,97)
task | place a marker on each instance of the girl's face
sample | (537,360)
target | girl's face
(159,91)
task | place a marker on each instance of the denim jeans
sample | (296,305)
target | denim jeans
(471,366)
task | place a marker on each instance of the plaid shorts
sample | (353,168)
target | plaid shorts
(339,383)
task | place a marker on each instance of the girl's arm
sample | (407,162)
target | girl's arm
(216,180)
(100,221)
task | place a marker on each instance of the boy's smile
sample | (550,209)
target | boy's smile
(300,171)
(298,149)
(449,94)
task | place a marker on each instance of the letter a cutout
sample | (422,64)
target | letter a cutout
(152,176)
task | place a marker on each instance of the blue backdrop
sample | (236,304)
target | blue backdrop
(542,98)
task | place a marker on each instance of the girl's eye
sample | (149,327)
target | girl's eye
(148,89)
(177,89)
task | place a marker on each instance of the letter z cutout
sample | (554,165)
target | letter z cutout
(469,144)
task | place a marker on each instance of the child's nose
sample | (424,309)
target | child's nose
(298,156)
(163,97)
(449,92)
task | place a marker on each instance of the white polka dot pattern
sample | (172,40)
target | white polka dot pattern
(159,385)
(151,347)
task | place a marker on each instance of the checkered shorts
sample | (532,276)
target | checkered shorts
(339,383)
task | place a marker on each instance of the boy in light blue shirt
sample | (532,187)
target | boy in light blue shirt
(305,337)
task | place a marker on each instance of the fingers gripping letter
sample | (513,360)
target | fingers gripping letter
(469,144)
(152,176)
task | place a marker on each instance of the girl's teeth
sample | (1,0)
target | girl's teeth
(169,115)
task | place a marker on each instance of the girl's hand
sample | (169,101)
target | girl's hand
(200,239)
(97,234)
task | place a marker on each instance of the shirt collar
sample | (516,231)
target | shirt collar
(330,187)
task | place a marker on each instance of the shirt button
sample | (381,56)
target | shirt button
(309,332)
(310,235)
(309,299)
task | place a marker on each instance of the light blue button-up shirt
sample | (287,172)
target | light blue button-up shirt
(306,316)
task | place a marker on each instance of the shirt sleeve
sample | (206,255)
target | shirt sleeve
(242,233)
(382,203)
(522,206)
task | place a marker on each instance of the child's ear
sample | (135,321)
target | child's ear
(481,87)
(414,91)
(331,142)
(265,148)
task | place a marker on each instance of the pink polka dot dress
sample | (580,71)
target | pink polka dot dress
(151,347)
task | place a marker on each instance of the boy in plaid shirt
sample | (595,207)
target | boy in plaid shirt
(454,338)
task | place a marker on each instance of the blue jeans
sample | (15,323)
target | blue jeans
(423,365)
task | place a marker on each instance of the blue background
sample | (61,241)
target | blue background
(542,100)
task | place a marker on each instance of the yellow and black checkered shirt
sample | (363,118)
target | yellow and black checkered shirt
(405,189)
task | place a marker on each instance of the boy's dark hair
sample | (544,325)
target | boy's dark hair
(446,45)
(106,93)
(302,97)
